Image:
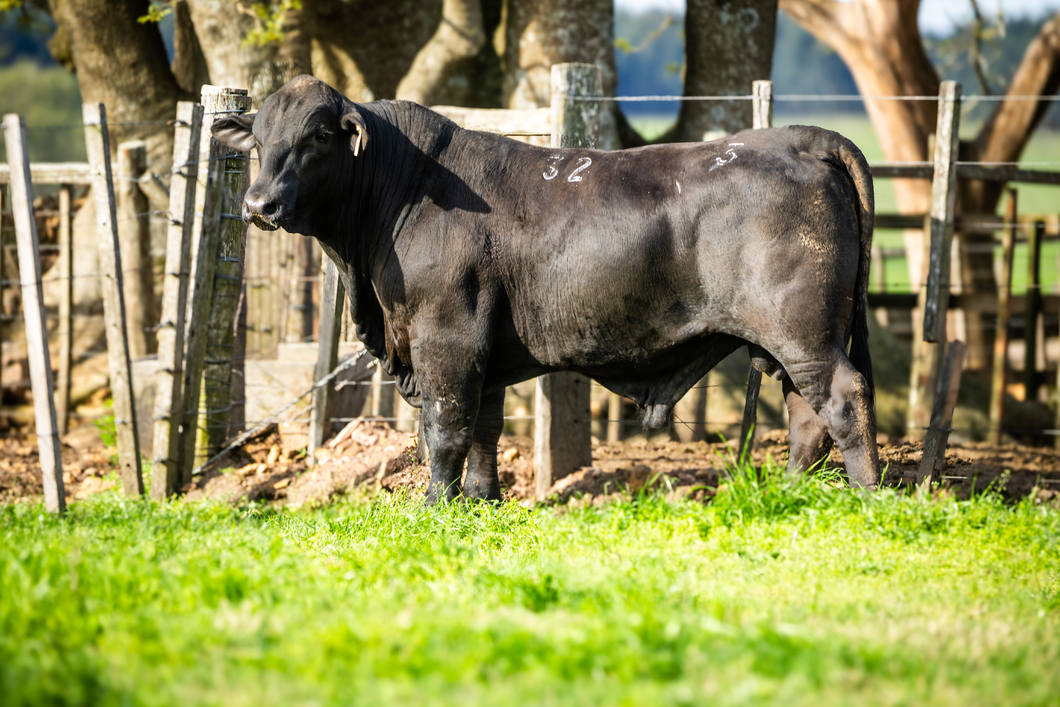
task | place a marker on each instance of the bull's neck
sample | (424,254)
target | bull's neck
(379,192)
(384,187)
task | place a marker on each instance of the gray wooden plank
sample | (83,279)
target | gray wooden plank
(165,478)
(36,327)
(97,147)
(943,202)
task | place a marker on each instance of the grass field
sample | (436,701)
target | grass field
(797,594)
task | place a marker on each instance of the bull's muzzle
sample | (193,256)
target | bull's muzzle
(260,211)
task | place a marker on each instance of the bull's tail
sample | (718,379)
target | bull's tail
(858,169)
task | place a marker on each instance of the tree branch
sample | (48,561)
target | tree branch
(1010,126)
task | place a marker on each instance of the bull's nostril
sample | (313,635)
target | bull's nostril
(269,209)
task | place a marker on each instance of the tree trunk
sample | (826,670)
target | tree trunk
(728,46)
(365,48)
(221,27)
(121,63)
(460,36)
(540,33)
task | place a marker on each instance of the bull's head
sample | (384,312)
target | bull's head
(306,134)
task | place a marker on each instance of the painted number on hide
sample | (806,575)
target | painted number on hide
(552,171)
(574,177)
(584,163)
(730,156)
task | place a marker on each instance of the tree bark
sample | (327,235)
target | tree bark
(540,33)
(122,63)
(460,36)
(364,48)
(728,46)
(221,27)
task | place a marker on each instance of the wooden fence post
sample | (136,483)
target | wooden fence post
(36,325)
(614,417)
(300,297)
(66,296)
(221,351)
(200,292)
(562,419)
(97,147)
(943,202)
(383,396)
(1032,311)
(134,236)
(762,104)
(332,300)
(165,475)
(762,116)
(1004,314)
(933,463)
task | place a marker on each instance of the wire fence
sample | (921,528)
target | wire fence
(295,283)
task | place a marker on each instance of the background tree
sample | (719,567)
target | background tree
(881,44)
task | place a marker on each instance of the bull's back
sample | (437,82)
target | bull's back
(658,246)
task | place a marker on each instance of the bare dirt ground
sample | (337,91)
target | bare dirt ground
(369,457)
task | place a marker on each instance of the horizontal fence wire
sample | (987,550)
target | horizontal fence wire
(779,98)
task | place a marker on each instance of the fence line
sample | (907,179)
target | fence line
(287,273)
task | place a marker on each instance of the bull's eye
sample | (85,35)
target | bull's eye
(321,136)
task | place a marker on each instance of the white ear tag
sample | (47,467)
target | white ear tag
(357,144)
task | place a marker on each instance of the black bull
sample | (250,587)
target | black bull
(473,262)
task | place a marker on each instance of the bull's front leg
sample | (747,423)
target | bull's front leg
(450,386)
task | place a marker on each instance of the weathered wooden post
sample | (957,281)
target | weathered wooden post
(762,104)
(562,420)
(614,417)
(200,292)
(762,115)
(165,476)
(933,463)
(227,282)
(1032,311)
(1004,314)
(299,326)
(383,396)
(66,297)
(331,303)
(943,202)
(40,367)
(933,300)
(134,237)
(97,147)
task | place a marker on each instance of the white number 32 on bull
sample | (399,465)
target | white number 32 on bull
(574,177)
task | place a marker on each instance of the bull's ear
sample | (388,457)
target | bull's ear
(235,131)
(353,123)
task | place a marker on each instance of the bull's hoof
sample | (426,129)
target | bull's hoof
(442,493)
(482,489)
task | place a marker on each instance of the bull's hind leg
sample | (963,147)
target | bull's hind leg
(809,441)
(481,481)
(843,402)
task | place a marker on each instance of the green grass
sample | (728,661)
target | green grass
(49,100)
(797,593)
